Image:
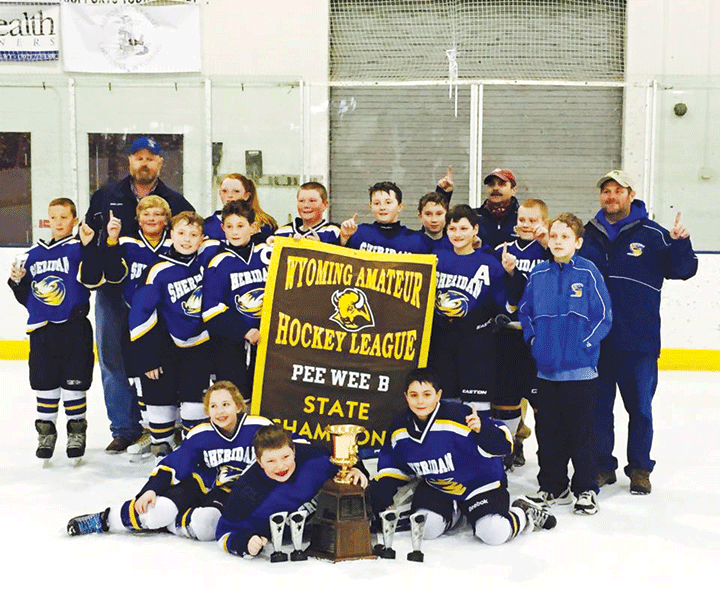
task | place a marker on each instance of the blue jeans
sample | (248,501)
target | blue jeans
(636,375)
(120,399)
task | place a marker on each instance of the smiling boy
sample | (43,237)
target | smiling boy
(233,293)
(386,234)
(168,338)
(470,293)
(285,477)
(312,202)
(458,457)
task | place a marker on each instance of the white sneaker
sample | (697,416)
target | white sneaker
(547,499)
(586,503)
(141,446)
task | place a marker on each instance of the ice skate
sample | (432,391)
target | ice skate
(77,436)
(47,437)
(89,523)
(536,514)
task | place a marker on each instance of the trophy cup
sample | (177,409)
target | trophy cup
(389,520)
(342,526)
(296,520)
(277,527)
(417,528)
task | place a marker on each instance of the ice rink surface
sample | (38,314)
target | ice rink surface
(669,539)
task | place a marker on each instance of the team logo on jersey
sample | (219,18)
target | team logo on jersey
(192,306)
(452,304)
(577,289)
(636,249)
(449,486)
(250,303)
(352,311)
(51,290)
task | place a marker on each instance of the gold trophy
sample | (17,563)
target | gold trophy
(341,524)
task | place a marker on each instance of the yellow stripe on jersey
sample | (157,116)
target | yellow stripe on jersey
(204,336)
(144,328)
(218,258)
(209,314)
(200,483)
(155,270)
(392,473)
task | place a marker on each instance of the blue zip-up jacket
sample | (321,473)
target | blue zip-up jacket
(634,266)
(565,312)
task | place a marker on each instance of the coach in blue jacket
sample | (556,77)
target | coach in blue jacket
(635,255)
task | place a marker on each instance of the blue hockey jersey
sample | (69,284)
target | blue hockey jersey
(173,291)
(444,452)
(326,231)
(234,289)
(56,284)
(213,227)
(209,456)
(394,239)
(128,261)
(528,254)
(470,288)
(255,497)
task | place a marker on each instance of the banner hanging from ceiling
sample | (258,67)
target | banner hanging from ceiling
(128,36)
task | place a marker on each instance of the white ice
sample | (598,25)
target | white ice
(669,539)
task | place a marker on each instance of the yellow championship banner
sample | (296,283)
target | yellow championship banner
(340,330)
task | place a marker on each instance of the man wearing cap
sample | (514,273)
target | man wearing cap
(497,216)
(635,255)
(144,163)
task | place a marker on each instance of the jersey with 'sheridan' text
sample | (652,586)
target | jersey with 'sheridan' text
(208,454)
(173,290)
(374,237)
(234,290)
(470,286)
(53,284)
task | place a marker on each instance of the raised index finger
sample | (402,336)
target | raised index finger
(449,172)
(677,218)
(504,248)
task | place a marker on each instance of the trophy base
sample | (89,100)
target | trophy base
(416,556)
(384,552)
(341,528)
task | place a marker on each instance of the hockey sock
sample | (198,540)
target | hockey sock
(161,422)
(47,404)
(137,385)
(75,403)
(162,514)
(197,523)
(496,529)
(192,414)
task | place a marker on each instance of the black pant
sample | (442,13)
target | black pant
(564,427)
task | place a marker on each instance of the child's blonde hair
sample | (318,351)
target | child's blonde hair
(228,386)
(151,202)
(530,203)
(189,217)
